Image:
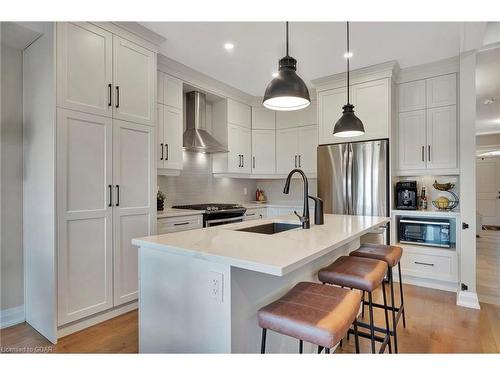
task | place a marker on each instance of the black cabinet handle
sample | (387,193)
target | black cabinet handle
(242,161)
(299,161)
(166,151)
(425,264)
(117,96)
(429,153)
(239,156)
(109,95)
(117,195)
(423,152)
(253,159)
(161,145)
(110,204)
(295,161)
(185,223)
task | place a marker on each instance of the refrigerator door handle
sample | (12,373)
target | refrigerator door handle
(349,202)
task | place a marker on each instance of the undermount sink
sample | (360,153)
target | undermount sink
(270,228)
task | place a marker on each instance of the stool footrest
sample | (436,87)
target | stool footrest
(382,339)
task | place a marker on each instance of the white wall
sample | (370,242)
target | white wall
(196,184)
(12,183)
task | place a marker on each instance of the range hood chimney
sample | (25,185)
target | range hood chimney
(196,138)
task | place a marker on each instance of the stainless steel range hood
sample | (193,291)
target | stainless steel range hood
(196,138)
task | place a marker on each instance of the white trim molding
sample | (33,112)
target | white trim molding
(12,316)
(468,299)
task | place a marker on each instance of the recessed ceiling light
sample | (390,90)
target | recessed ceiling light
(275,74)
(229,46)
(348,55)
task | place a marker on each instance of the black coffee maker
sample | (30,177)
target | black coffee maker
(406,195)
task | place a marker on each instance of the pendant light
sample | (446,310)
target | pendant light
(348,125)
(286,92)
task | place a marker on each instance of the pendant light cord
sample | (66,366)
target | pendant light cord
(287,38)
(348,58)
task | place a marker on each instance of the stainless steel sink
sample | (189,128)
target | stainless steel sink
(270,228)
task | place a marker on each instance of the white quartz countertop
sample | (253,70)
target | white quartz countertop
(276,254)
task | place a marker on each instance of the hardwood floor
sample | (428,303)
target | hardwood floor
(434,325)
(488,266)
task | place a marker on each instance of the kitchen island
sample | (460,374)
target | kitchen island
(199,291)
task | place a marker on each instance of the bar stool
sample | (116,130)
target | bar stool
(312,312)
(366,275)
(392,256)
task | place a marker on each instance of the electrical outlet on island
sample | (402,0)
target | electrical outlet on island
(215,285)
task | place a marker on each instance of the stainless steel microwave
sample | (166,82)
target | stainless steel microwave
(431,232)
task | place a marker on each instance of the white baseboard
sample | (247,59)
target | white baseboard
(468,299)
(73,327)
(12,316)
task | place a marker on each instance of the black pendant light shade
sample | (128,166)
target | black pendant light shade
(287,92)
(349,125)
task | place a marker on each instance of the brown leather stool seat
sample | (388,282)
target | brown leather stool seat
(316,313)
(353,272)
(388,253)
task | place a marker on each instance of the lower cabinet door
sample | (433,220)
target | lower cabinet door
(85,233)
(133,206)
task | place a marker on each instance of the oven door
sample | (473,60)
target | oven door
(432,233)
(220,218)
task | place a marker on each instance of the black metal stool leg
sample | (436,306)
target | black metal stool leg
(363,305)
(386,317)
(401,294)
(263,343)
(301,346)
(394,324)
(356,337)
(320,349)
(327,350)
(372,323)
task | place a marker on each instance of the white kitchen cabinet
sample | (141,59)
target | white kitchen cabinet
(263,118)
(169,90)
(239,113)
(286,150)
(308,143)
(296,148)
(239,142)
(330,103)
(372,102)
(179,223)
(412,142)
(255,213)
(442,138)
(263,151)
(84,220)
(134,78)
(301,117)
(441,91)
(134,208)
(412,96)
(84,68)
(169,138)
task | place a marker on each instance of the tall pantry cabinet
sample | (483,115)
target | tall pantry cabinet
(103,147)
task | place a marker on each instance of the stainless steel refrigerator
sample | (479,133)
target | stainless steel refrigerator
(353,179)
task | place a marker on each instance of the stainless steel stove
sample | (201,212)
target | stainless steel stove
(217,213)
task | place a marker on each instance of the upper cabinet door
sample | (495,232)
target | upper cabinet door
(286,150)
(263,118)
(441,91)
(263,151)
(372,107)
(134,208)
(239,141)
(301,117)
(239,113)
(412,96)
(442,138)
(134,72)
(329,111)
(411,140)
(173,92)
(172,138)
(160,136)
(84,68)
(308,143)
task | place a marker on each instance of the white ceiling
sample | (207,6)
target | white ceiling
(488,87)
(318,47)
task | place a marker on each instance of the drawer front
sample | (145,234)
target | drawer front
(179,224)
(433,266)
(255,213)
